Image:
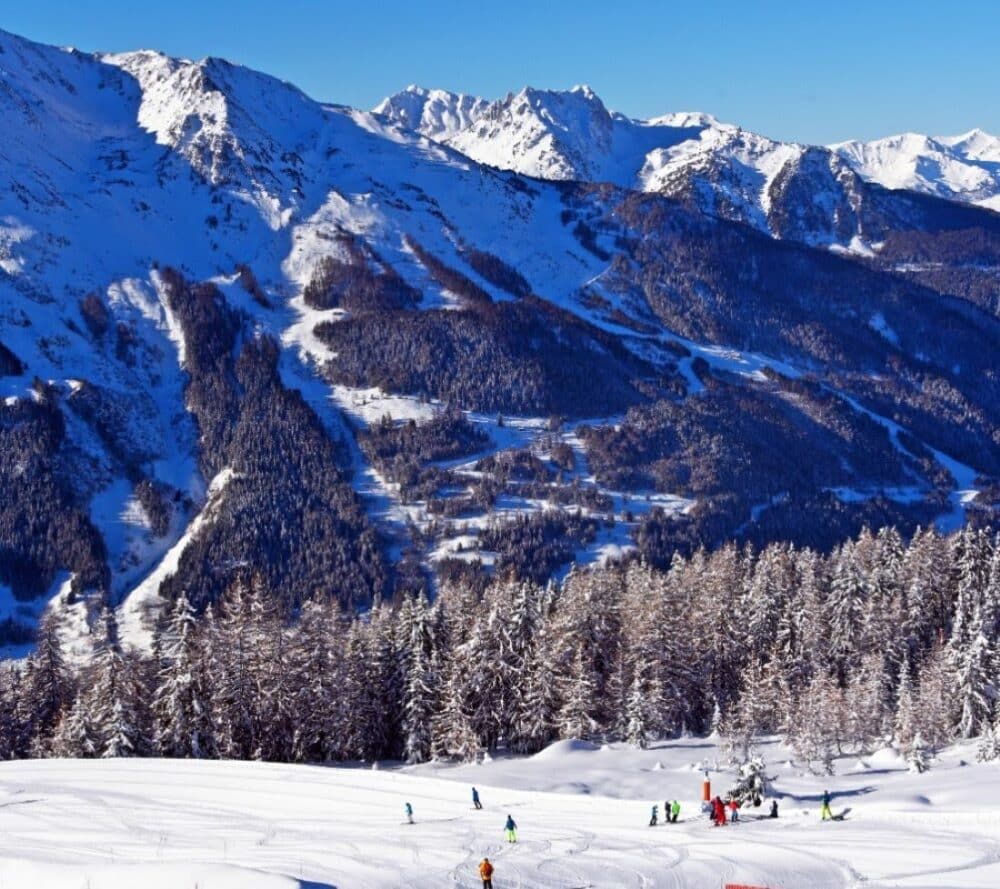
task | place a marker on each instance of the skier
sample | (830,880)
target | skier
(486,873)
(734,810)
(475,799)
(720,812)
(511,828)
(774,809)
(675,811)
(409,813)
(652,817)
(824,811)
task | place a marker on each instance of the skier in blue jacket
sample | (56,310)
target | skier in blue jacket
(511,828)
(475,799)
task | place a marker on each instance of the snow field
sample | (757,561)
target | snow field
(582,815)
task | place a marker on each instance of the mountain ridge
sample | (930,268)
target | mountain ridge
(968,162)
(214,290)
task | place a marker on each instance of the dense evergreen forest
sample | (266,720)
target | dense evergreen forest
(881,640)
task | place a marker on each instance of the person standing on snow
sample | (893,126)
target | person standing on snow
(409,813)
(675,811)
(719,811)
(511,829)
(652,817)
(475,799)
(824,811)
(486,873)
(734,810)
(774,809)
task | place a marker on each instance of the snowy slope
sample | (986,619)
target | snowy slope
(962,168)
(581,812)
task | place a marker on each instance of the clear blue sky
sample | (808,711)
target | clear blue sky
(807,70)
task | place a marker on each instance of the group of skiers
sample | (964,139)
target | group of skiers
(485,866)
(718,813)
(716,809)
(671,812)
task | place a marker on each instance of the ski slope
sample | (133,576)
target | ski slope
(582,814)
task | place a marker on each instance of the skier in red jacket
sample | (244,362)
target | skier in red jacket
(719,812)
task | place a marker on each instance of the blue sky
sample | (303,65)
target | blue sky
(809,71)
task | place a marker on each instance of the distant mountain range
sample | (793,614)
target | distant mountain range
(571,135)
(362,353)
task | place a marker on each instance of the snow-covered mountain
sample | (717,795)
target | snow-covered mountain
(212,288)
(437,114)
(960,168)
(546,134)
(722,169)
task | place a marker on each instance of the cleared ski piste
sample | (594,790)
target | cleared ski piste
(582,814)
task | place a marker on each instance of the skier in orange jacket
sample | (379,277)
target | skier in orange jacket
(486,872)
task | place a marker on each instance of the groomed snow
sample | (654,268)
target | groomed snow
(582,813)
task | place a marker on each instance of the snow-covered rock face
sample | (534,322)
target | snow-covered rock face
(961,168)
(234,126)
(437,114)
(543,133)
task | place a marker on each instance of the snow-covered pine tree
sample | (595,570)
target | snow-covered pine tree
(869,712)
(845,610)
(116,699)
(74,736)
(11,732)
(182,710)
(928,606)
(419,702)
(271,676)
(46,688)
(934,704)
(319,684)
(719,642)
(988,748)
(753,783)
(235,690)
(535,722)
(637,715)
(917,755)
(818,725)
(453,734)
(758,712)
(575,719)
(975,668)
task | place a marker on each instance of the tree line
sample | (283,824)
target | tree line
(883,640)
